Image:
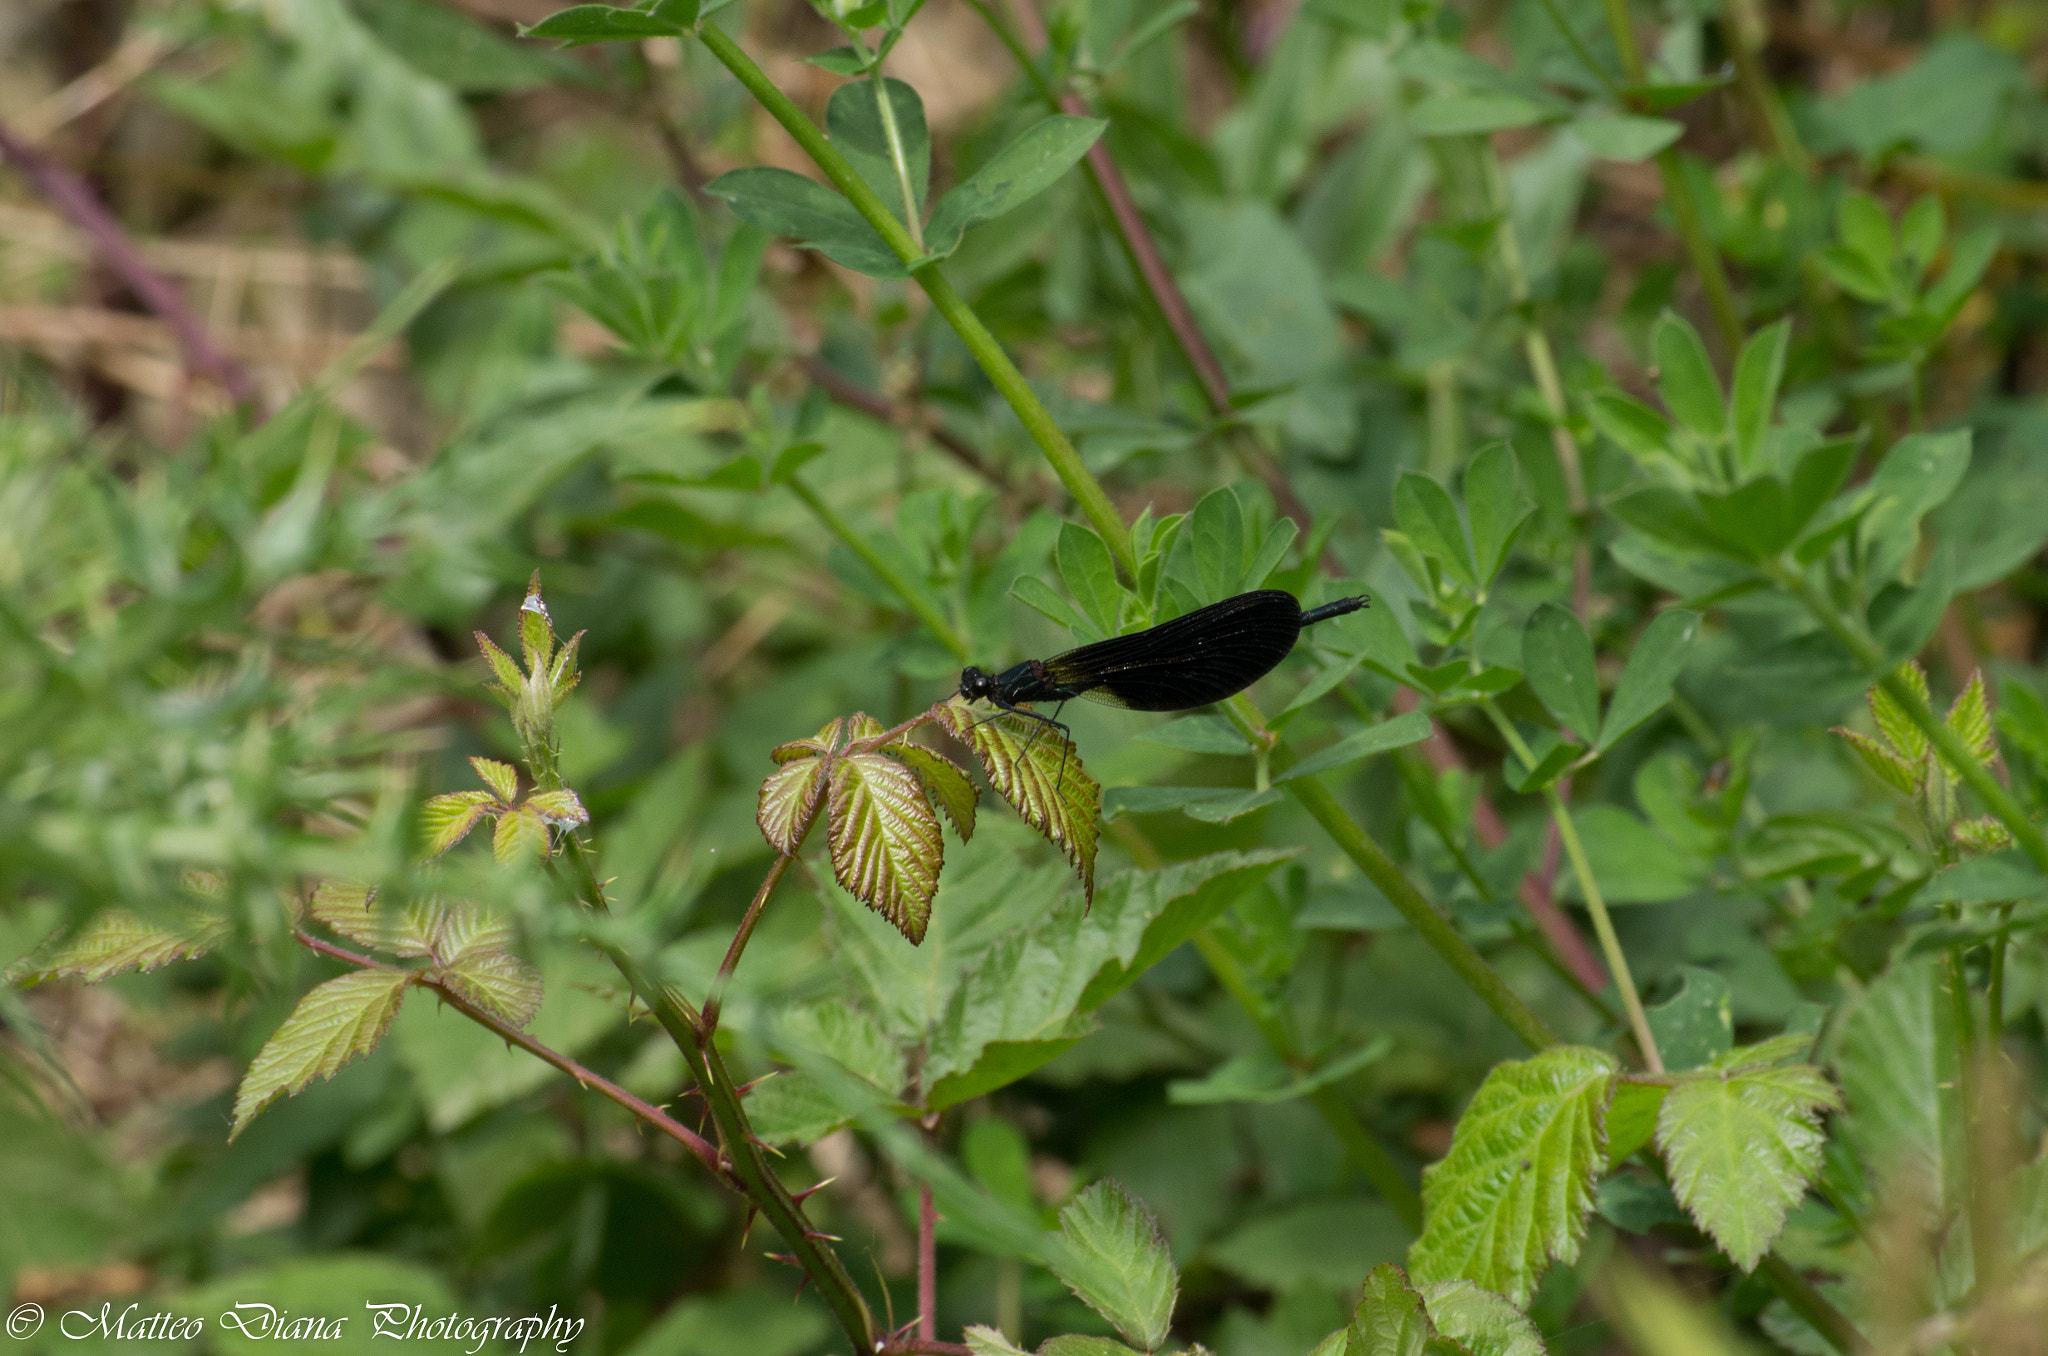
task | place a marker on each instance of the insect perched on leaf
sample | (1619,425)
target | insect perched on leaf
(1211,653)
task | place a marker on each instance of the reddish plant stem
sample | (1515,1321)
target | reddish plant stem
(1165,292)
(731,962)
(705,1152)
(847,391)
(72,196)
(927,1264)
(920,1346)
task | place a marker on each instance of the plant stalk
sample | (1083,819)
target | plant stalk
(919,606)
(740,939)
(995,363)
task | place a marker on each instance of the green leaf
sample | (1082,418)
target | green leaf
(1631,425)
(786,204)
(1090,576)
(1672,516)
(1411,727)
(584,24)
(1892,721)
(1199,734)
(520,835)
(1327,1242)
(498,982)
(1696,1025)
(446,820)
(1969,719)
(1557,659)
(849,61)
(1073,1344)
(1631,1119)
(1014,176)
(1039,773)
(1424,511)
(1271,551)
(1391,1319)
(793,458)
(886,848)
(1865,229)
(1551,765)
(789,801)
(853,121)
(1685,376)
(1039,596)
(1260,1078)
(1216,539)
(1516,1189)
(1210,804)
(117,941)
(1758,371)
(1967,263)
(1479,1321)
(1497,507)
(1632,863)
(1899,1067)
(1756,519)
(1450,115)
(1741,1147)
(1853,273)
(1116,1260)
(1625,136)
(502,778)
(794,1108)
(945,781)
(1653,666)
(331,1025)
(1920,233)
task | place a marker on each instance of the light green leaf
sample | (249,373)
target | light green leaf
(1038,595)
(1625,136)
(1685,376)
(1018,173)
(1632,863)
(521,835)
(1272,549)
(986,1341)
(1410,727)
(1557,659)
(1216,539)
(1424,511)
(1090,576)
(117,940)
(1516,1189)
(1653,666)
(1632,1119)
(1449,115)
(1210,804)
(1115,1259)
(331,1025)
(584,24)
(1044,782)
(1969,719)
(1259,1077)
(1758,371)
(1481,1322)
(447,820)
(498,982)
(1391,1320)
(794,1108)
(1497,507)
(1199,734)
(886,847)
(1327,1242)
(1741,1147)
(1899,1067)
(789,800)
(1637,429)
(502,778)
(1918,475)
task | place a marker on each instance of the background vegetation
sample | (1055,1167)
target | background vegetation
(1630,927)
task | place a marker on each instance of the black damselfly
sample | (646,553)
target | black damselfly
(1211,653)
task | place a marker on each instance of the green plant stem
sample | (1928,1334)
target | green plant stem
(1747,34)
(1810,1304)
(1994,995)
(1373,1161)
(1868,654)
(920,606)
(995,363)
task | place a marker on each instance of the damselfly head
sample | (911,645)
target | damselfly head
(974,684)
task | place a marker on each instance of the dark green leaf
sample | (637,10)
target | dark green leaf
(1635,427)
(1756,518)
(1653,665)
(1497,507)
(1696,1025)
(1758,370)
(1090,575)
(1399,732)
(853,120)
(1426,514)
(1449,115)
(1557,657)
(1685,376)
(603,23)
(1625,136)
(813,215)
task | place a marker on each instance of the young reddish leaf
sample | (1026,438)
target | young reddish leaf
(560,808)
(521,835)
(118,940)
(502,778)
(886,848)
(333,1024)
(945,781)
(1983,834)
(836,734)
(562,674)
(447,820)
(1046,785)
(789,800)
(498,982)
(502,664)
(456,931)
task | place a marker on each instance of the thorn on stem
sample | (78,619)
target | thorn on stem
(799,1197)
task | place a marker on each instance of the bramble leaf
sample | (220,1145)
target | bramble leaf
(1969,718)
(1516,1189)
(498,982)
(502,778)
(502,665)
(886,848)
(1038,771)
(1742,1145)
(447,820)
(1892,721)
(789,801)
(1881,760)
(1115,1259)
(520,835)
(331,1025)
(945,781)
(1479,1322)
(560,808)
(118,941)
